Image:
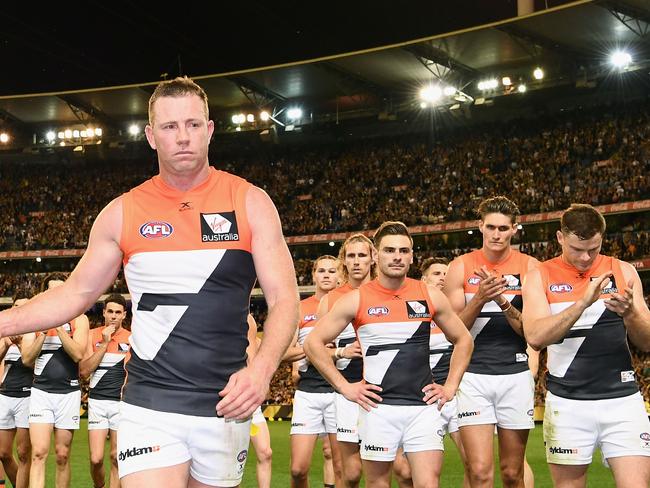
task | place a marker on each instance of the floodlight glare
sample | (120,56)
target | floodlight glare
(68,134)
(423,104)
(449,91)
(538,73)
(4,138)
(506,81)
(620,59)
(431,93)
(521,88)
(250,118)
(294,113)
(50,136)
(98,132)
(134,130)
(264,116)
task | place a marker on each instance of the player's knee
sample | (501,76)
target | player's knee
(264,455)
(299,472)
(6,454)
(114,457)
(96,459)
(23,453)
(62,457)
(352,475)
(481,472)
(512,475)
(39,454)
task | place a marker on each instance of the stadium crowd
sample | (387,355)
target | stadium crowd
(592,157)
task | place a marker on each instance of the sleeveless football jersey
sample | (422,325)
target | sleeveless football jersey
(593,360)
(497,348)
(351,369)
(393,327)
(311,380)
(54,370)
(17,379)
(190,272)
(107,380)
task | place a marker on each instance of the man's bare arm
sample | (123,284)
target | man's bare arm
(631,305)
(94,273)
(542,329)
(32,345)
(247,389)
(76,345)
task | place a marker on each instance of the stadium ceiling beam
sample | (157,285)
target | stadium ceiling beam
(87,112)
(354,81)
(637,20)
(439,63)
(560,49)
(257,94)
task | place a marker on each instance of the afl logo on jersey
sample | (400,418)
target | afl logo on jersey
(560,288)
(474,280)
(217,227)
(309,318)
(156,230)
(378,311)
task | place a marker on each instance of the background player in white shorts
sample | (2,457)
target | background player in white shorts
(392,316)
(14,409)
(584,307)
(356,267)
(104,366)
(56,395)
(484,287)
(313,405)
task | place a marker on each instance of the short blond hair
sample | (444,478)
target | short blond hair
(181,86)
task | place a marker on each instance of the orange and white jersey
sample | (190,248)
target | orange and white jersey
(190,271)
(54,370)
(311,380)
(498,349)
(393,327)
(593,360)
(16,378)
(107,380)
(351,369)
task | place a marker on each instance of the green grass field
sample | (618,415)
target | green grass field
(452,473)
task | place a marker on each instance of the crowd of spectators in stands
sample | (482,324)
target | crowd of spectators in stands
(596,157)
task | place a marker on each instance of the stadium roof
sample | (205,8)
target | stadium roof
(571,43)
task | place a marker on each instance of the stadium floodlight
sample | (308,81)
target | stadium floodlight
(620,59)
(83,133)
(60,135)
(506,81)
(250,118)
(38,259)
(490,84)
(4,138)
(98,131)
(294,113)
(449,91)
(332,244)
(470,232)
(431,93)
(519,226)
(68,134)
(50,136)
(264,116)
(423,104)
(522,88)
(238,129)
(134,130)
(538,73)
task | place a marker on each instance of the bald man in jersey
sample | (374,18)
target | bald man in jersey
(192,241)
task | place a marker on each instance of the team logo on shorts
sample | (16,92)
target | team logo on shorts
(513,282)
(562,450)
(156,230)
(474,280)
(378,311)
(531,412)
(462,415)
(560,288)
(440,432)
(241,457)
(645,437)
(370,447)
(218,227)
(417,309)
(137,451)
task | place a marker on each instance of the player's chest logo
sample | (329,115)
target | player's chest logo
(156,230)
(219,226)
(378,311)
(417,309)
